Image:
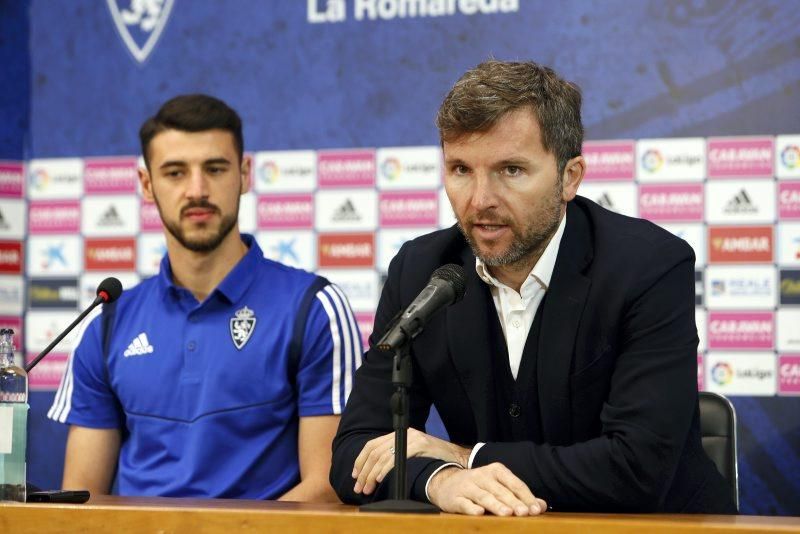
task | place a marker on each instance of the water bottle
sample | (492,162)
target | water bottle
(13,421)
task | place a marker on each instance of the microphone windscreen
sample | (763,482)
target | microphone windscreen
(454,275)
(112,288)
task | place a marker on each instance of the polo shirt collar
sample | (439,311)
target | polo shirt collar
(235,283)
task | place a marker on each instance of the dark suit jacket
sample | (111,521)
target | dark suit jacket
(616,372)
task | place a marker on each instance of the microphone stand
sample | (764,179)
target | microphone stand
(97,301)
(399,501)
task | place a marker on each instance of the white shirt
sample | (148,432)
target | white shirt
(517,311)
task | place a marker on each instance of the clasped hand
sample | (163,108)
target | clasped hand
(492,488)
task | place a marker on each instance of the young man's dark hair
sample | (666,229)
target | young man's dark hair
(192,113)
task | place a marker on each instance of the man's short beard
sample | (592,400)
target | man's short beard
(531,243)
(208,244)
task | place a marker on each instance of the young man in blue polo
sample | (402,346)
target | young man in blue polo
(225,374)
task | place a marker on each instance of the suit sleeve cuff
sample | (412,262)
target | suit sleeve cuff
(473,454)
(427,483)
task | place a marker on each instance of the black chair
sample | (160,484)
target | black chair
(718,432)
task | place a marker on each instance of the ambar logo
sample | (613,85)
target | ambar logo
(10,257)
(744,244)
(110,254)
(346,250)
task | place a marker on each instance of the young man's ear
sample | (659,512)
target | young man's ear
(572,177)
(246,162)
(146,183)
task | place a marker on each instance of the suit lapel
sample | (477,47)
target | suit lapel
(469,344)
(561,317)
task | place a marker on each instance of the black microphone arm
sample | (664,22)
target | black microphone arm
(445,287)
(108,291)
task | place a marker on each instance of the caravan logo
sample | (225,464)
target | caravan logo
(740,157)
(610,160)
(140,24)
(11,179)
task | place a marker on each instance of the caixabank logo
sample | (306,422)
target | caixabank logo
(740,244)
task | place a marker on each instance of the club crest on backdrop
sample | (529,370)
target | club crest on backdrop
(140,23)
(242,326)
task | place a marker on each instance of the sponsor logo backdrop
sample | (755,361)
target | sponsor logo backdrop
(346,165)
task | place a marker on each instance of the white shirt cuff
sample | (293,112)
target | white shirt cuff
(450,464)
(474,452)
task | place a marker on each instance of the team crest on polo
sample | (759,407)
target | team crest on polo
(140,23)
(242,326)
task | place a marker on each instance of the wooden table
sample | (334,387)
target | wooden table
(140,515)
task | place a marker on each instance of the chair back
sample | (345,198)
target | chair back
(718,432)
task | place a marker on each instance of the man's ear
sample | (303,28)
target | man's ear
(245,175)
(572,177)
(147,184)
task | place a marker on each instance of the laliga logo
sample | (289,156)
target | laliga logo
(652,160)
(268,172)
(790,157)
(39,179)
(391,168)
(140,24)
(722,373)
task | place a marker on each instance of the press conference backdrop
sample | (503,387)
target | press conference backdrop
(690,106)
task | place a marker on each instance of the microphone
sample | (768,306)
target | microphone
(108,291)
(445,287)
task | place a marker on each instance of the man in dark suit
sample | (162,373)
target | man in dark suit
(567,374)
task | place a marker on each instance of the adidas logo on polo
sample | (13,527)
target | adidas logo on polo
(741,203)
(139,346)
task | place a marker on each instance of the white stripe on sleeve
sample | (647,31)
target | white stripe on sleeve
(63,399)
(337,350)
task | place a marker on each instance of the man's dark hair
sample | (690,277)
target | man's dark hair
(192,113)
(486,93)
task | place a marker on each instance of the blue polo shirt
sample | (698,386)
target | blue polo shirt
(207,395)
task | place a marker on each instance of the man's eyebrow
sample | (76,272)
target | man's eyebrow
(172,163)
(217,161)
